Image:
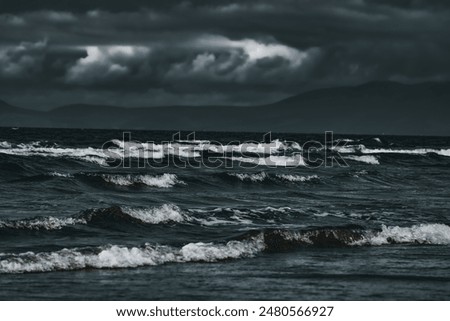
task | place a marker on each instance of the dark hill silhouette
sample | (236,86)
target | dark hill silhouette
(372,108)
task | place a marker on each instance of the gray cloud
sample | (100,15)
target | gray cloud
(221,52)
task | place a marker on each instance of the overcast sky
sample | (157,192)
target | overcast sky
(147,53)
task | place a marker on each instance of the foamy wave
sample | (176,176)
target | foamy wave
(5,145)
(156,151)
(101,156)
(156,215)
(417,151)
(89,154)
(297,178)
(368,159)
(277,161)
(115,256)
(42,223)
(193,141)
(162,214)
(57,174)
(192,148)
(94,160)
(360,173)
(421,234)
(257,148)
(258,177)
(281,239)
(163,181)
(264,216)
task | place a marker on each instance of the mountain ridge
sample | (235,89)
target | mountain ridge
(370,108)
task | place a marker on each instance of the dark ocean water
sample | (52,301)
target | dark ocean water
(76,225)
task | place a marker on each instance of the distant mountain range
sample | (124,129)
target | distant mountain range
(372,108)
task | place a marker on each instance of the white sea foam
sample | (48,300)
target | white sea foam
(155,215)
(151,150)
(89,154)
(257,148)
(5,145)
(253,177)
(438,234)
(187,151)
(42,223)
(234,219)
(190,148)
(236,216)
(115,256)
(417,151)
(368,159)
(215,221)
(57,174)
(164,181)
(360,173)
(283,209)
(259,177)
(100,156)
(297,178)
(422,234)
(194,141)
(273,160)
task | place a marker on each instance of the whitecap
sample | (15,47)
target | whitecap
(273,160)
(297,178)
(57,174)
(114,256)
(368,159)
(5,145)
(253,177)
(164,181)
(43,223)
(423,234)
(155,215)
(416,151)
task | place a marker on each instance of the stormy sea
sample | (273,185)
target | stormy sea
(153,215)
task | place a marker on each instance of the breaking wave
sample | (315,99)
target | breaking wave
(191,148)
(165,213)
(114,256)
(438,234)
(5,145)
(368,159)
(297,178)
(156,215)
(58,174)
(42,223)
(417,151)
(247,245)
(162,181)
(260,177)
(88,154)
(417,234)
(273,160)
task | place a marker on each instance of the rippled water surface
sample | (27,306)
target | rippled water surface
(201,221)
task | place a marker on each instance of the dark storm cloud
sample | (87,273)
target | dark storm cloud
(188,52)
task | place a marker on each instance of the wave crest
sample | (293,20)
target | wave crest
(163,181)
(156,215)
(114,256)
(263,176)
